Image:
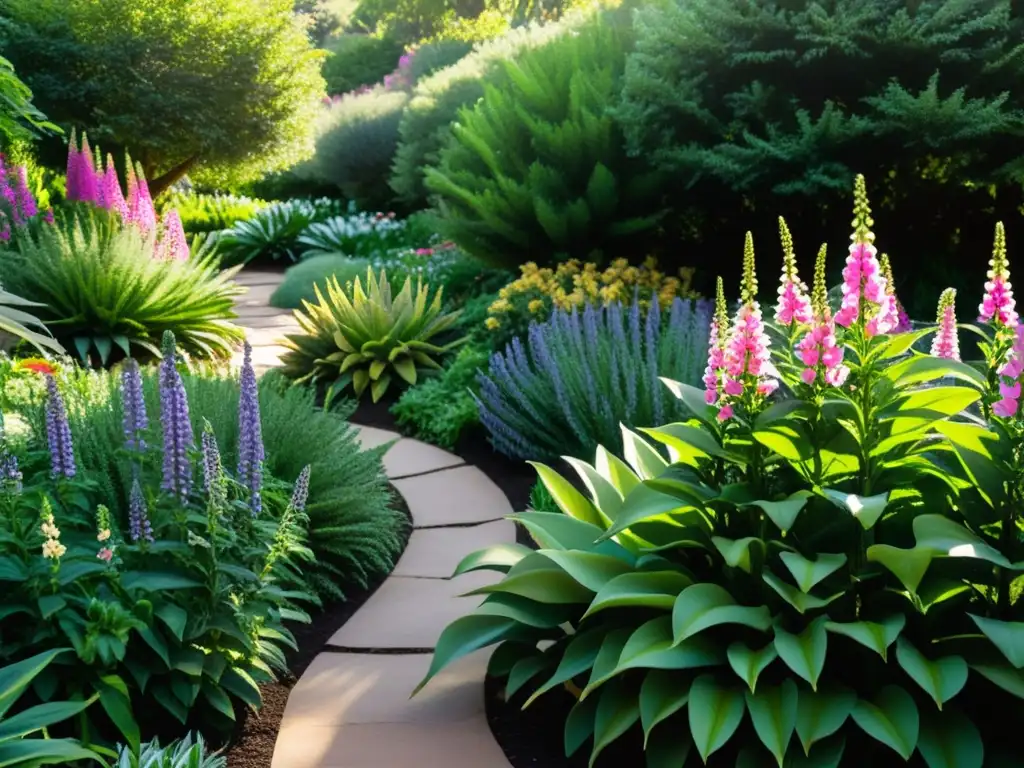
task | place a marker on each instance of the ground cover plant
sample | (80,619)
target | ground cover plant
(273,232)
(814,566)
(175,602)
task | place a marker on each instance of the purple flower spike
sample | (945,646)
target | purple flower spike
(112,196)
(58,433)
(27,206)
(174,418)
(10,474)
(250,434)
(301,491)
(138,518)
(135,419)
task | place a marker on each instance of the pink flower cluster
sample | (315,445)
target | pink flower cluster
(946,344)
(1009,388)
(998,306)
(821,354)
(747,359)
(172,244)
(17,203)
(716,364)
(793,306)
(864,289)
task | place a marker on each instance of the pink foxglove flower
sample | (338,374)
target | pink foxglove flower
(172,245)
(749,374)
(716,347)
(865,298)
(794,306)
(998,305)
(73,181)
(1009,386)
(87,185)
(144,214)
(818,350)
(946,344)
(112,198)
(898,317)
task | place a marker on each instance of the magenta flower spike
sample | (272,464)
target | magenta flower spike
(865,298)
(794,306)
(173,244)
(27,206)
(819,350)
(74,176)
(88,190)
(946,344)
(8,194)
(998,305)
(112,195)
(716,347)
(1009,385)
(898,317)
(145,214)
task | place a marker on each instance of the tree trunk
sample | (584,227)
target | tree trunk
(160,184)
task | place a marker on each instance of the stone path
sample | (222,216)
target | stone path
(351,707)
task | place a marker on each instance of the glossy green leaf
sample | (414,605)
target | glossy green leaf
(825,754)
(900,343)
(662,694)
(644,503)
(773,712)
(737,553)
(806,572)
(945,401)
(1007,636)
(715,712)
(786,440)
(867,509)
(802,601)
(945,536)
(50,604)
(569,500)
(617,472)
(35,752)
(537,578)
(641,456)
(1007,678)
(652,646)
(497,558)
(693,399)
(668,747)
(34,719)
(877,636)
(523,671)
(950,740)
(922,368)
(579,656)
(804,653)
(750,664)
(116,703)
(15,678)
(553,530)
(691,444)
(617,711)
(942,679)
(607,660)
(604,495)
(892,719)
(783,513)
(708,605)
(465,635)
(821,713)
(579,725)
(155,581)
(640,589)
(907,565)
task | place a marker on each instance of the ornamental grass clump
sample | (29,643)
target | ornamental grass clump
(582,374)
(360,338)
(825,574)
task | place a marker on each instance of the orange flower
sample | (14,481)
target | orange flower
(36,365)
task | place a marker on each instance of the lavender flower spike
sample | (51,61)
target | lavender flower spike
(58,433)
(135,419)
(138,518)
(250,434)
(10,474)
(178,437)
(301,491)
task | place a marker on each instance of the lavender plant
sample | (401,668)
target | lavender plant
(58,433)
(136,422)
(250,436)
(583,373)
(174,418)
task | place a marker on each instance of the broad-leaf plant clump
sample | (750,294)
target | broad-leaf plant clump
(824,571)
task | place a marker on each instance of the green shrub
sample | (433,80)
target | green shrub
(426,121)
(923,99)
(19,119)
(440,409)
(210,213)
(299,279)
(356,234)
(183,753)
(536,171)
(355,144)
(428,58)
(354,61)
(835,558)
(273,232)
(106,296)
(359,338)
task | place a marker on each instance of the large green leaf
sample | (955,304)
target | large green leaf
(662,694)
(579,725)
(1007,678)
(945,536)
(15,678)
(941,679)
(821,713)
(524,670)
(497,558)
(907,565)
(806,572)
(942,401)
(804,653)
(591,569)
(715,712)
(640,589)
(641,456)
(465,635)
(690,444)
(786,439)
(553,530)
(750,664)
(579,656)
(1007,636)
(922,368)
(867,509)
(36,752)
(603,493)
(607,660)
(668,747)
(569,500)
(876,636)
(652,646)
(118,706)
(892,719)
(802,601)
(705,605)
(950,740)
(155,581)
(693,399)
(34,719)
(783,513)
(525,611)
(737,553)
(645,503)
(538,578)
(773,712)
(617,711)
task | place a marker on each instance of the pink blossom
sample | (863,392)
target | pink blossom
(105,554)
(172,245)
(725,412)
(793,306)
(140,204)
(864,289)
(748,354)
(1010,385)
(26,200)
(1005,408)
(819,351)
(82,184)
(112,198)
(946,344)
(716,347)
(808,375)
(1011,391)
(998,304)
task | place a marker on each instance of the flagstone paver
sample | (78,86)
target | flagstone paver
(351,708)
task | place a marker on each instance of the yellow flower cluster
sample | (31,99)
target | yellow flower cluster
(573,284)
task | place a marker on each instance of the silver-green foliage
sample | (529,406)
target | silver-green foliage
(183,753)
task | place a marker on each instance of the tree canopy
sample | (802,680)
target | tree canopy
(224,89)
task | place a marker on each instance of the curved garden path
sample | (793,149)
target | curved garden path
(351,707)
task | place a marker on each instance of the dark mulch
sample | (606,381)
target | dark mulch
(252,745)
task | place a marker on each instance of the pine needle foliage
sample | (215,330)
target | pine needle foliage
(536,170)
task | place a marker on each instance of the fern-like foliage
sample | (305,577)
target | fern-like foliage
(536,170)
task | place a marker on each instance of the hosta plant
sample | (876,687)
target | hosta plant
(184,753)
(817,567)
(356,234)
(363,338)
(273,233)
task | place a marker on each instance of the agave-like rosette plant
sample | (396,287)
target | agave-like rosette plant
(359,337)
(808,570)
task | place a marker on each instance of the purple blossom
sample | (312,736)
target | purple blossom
(138,518)
(177,428)
(250,434)
(58,433)
(113,199)
(83,185)
(26,200)
(134,404)
(211,459)
(10,474)
(301,491)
